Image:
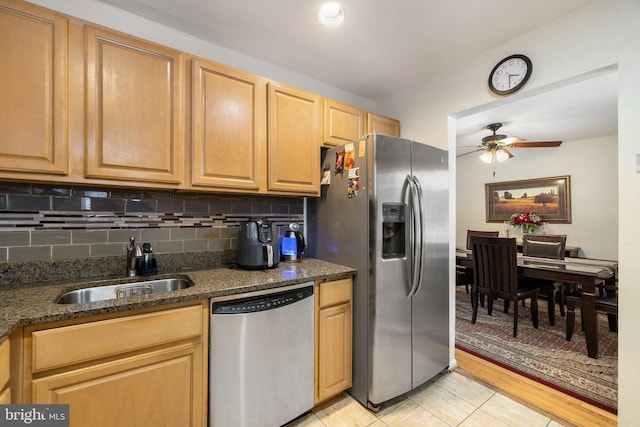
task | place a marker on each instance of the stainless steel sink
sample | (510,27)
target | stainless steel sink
(102,293)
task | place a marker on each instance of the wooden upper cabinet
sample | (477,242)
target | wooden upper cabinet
(134,109)
(229,109)
(342,123)
(33,89)
(294,135)
(382,124)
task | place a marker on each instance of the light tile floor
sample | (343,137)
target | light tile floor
(450,399)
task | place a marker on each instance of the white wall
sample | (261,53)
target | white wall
(601,34)
(117,19)
(593,168)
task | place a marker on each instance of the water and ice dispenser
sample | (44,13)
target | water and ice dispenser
(393,230)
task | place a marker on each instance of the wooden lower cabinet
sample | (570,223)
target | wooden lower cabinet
(5,367)
(333,338)
(151,367)
(154,388)
(5,396)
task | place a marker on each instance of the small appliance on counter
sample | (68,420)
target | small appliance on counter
(258,245)
(147,265)
(293,246)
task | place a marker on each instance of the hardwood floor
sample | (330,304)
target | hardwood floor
(528,391)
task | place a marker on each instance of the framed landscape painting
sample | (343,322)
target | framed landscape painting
(550,198)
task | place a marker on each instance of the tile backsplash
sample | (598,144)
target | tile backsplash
(52,222)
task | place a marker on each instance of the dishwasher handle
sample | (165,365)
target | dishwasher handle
(261,303)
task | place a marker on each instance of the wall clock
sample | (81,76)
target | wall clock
(510,74)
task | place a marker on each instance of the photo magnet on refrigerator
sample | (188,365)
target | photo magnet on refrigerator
(353,184)
(339,161)
(326,175)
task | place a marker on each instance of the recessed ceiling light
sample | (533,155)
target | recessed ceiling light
(331,14)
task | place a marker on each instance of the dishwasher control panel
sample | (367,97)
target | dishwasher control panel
(262,303)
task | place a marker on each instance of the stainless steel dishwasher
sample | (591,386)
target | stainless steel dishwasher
(261,359)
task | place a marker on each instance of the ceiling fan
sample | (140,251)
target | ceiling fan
(495,147)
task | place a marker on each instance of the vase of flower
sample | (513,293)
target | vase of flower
(528,222)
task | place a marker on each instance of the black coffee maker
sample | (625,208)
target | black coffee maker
(258,245)
(293,246)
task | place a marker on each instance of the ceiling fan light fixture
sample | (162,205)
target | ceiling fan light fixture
(502,155)
(331,14)
(496,155)
(487,156)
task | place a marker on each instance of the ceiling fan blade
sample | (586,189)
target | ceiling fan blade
(535,144)
(470,152)
(507,151)
(511,140)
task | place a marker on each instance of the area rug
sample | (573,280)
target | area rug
(543,354)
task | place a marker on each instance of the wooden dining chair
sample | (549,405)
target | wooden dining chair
(464,276)
(605,304)
(550,246)
(495,273)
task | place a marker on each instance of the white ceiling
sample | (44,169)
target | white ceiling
(582,109)
(384,46)
(381,47)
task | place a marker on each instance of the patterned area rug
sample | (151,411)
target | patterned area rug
(543,354)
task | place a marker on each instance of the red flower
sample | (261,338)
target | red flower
(529,218)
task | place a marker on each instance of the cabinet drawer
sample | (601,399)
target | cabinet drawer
(335,292)
(51,347)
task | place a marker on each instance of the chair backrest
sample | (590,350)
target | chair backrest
(495,264)
(481,234)
(544,245)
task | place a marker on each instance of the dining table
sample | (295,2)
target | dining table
(589,273)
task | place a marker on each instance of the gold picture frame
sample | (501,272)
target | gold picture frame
(550,198)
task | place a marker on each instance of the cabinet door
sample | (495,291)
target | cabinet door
(334,351)
(5,367)
(342,123)
(383,125)
(5,396)
(229,128)
(150,389)
(33,89)
(134,109)
(294,134)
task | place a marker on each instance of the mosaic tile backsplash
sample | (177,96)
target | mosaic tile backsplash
(50,222)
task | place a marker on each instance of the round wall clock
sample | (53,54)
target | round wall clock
(510,74)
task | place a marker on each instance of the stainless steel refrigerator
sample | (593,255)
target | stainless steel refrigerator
(383,210)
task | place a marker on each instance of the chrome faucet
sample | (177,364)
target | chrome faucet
(133,253)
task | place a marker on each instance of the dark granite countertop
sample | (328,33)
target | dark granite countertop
(33,303)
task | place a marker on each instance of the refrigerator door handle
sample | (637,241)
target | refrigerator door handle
(416,244)
(420,254)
